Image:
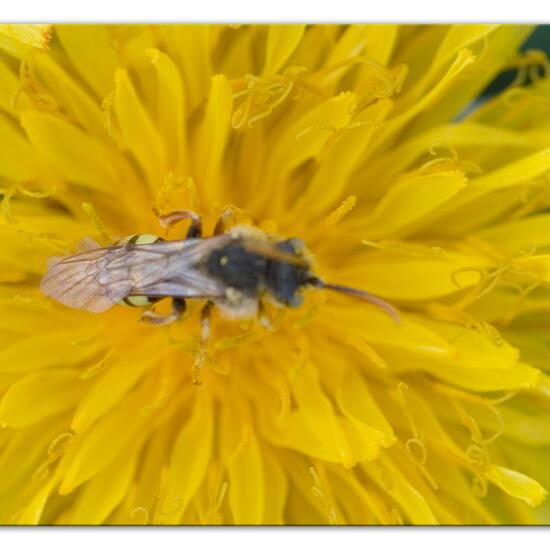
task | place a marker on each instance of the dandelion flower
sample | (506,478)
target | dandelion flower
(364,141)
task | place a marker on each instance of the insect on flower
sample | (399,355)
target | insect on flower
(234,270)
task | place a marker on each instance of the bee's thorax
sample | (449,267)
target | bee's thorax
(251,273)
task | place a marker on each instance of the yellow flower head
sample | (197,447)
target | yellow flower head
(365,142)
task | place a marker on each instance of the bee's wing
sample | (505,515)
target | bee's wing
(83,281)
(97,279)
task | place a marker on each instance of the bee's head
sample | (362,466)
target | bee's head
(286,280)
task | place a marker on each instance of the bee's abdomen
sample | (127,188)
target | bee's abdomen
(138,301)
(140,238)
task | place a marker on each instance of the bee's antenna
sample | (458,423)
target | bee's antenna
(371,298)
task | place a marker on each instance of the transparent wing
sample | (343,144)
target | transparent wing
(98,278)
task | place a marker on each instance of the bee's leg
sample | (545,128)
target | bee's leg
(170,219)
(205,336)
(178,309)
(225,216)
(264,318)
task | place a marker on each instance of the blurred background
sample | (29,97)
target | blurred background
(539,40)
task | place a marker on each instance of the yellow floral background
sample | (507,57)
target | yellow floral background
(366,142)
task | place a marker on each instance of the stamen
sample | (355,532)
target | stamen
(244,443)
(98,367)
(89,210)
(163,395)
(445,163)
(174,183)
(55,451)
(140,510)
(53,239)
(470,422)
(161,496)
(178,502)
(6,203)
(478,456)
(479,485)
(420,455)
(415,446)
(384,476)
(240,340)
(347,206)
(335,133)
(59,445)
(532,65)
(109,120)
(319,491)
(216,494)
(383,83)
(219,501)
(284,396)
(263,95)
(409,249)
(303,355)
(360,345)
(453,314)
(31,86)
(311,313)
(44,194)
(396,516)
(192,349)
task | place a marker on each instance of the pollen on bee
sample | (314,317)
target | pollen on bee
(224,260)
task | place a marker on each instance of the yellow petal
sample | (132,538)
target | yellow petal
(411,200)
(247,484)
(514,174)
(403,492)
(9,85)
(381,40)
(18,160)
(91,46)
(188,469)
(282,40)
(339,440)
(332,176)
(211,138)
(517,485)
(170,109)
(19,460)
(495,44)
(113,385)
(350,44)
(72,152)
(520,235)
(382,170)
(430,276)
(104,492)
(190,46)
(462,61)
(45,350)
(300,141)
(138,131)
(32,512)
(356,401)
(18,40)
(377,329)
(276,491)
(82,461)
(39,395)
(75,99)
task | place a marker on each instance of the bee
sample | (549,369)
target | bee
(235,270)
